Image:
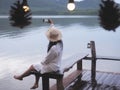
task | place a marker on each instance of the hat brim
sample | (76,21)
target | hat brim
(54,39)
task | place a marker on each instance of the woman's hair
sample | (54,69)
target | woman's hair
(54,43)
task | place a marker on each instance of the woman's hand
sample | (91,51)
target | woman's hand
(50,21)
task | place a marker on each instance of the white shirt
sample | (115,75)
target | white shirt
(52,61)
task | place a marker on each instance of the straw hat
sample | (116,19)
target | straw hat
(53,34)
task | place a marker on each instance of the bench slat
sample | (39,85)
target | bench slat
(69,79)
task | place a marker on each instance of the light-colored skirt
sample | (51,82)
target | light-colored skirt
(46,68)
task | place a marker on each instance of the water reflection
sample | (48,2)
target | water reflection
(7,30)
(89,22)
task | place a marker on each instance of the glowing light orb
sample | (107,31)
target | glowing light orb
(71,6)
(26,8)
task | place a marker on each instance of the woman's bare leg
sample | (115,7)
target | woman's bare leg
(37,77)
(26,73)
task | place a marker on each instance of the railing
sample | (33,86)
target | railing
(93,59)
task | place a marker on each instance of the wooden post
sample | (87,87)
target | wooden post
(93,62)
(78,82)
(45,83)
(79,65)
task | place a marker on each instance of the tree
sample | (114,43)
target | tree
(20,14)
(109,15)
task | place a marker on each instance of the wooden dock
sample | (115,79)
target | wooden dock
(84,79)
(105,81)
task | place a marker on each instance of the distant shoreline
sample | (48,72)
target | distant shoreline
(55,16)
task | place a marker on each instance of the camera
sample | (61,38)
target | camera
(46,20)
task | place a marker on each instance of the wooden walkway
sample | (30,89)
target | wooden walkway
(85,80)
(105,81)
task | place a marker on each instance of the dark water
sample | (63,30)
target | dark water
(20,48)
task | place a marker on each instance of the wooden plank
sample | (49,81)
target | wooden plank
(68,79)
(87,87)
(71,61)
(86,76)
(118,84)
(98,75)
(115,80)
(102,78)
(108,79)
(83,72)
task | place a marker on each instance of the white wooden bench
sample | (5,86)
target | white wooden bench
(63,82)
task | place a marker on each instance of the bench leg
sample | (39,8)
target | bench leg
(45,83)
(79,65)
(60,84)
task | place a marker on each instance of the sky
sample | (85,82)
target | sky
(117,1)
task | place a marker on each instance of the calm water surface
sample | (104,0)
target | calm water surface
(19,48)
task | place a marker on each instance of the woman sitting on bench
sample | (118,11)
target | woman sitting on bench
(53,59)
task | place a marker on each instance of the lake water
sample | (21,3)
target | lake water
(19,48)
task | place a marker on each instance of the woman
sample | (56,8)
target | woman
(52,60)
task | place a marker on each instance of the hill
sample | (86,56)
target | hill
(54,7)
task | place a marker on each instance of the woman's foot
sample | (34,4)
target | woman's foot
(34,86)
(18,77)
